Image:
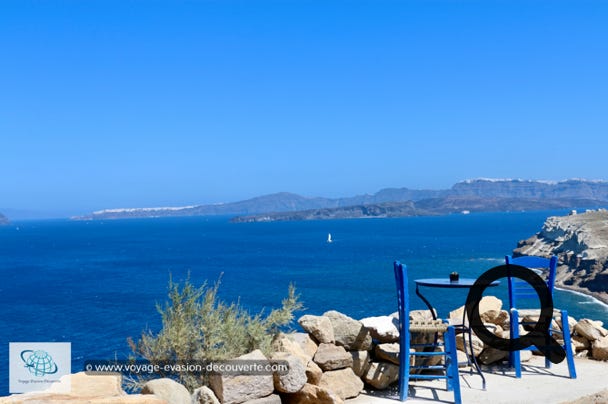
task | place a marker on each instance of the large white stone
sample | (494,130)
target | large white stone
(382,328)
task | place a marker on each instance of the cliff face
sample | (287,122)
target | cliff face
(574,189)
(581,244)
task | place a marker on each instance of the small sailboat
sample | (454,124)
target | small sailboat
(329,240)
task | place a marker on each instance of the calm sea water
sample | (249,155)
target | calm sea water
(96,283)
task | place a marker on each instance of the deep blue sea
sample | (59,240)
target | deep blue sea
(96,283)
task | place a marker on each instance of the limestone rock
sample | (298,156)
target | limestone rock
(497,330)
(599,349)
(84,385)
(361,361)
(581,245)
(311,394)
(332,357)
(503,319)
(349,333)
(382,328)
(489,311)
(580,343)
(294,379)
(271,399)
(418,315)
(235,389)
(592,330)
(319,327)
(305,342)
(491,355)
(380,375)
(313,373)
(48,398)
(388,352)
(204,395)
(343,382)
(462,339)
(286,343)
(99,389)
(168,390)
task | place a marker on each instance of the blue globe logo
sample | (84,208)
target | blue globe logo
(39,363)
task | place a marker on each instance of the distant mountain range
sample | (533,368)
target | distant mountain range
(473,195)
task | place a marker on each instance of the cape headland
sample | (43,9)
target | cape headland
(580,241)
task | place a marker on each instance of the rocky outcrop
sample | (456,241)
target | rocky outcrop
(580,242)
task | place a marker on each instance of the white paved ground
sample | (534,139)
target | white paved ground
(537,385)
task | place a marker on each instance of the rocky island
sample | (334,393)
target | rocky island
(425,207)
(580,242)
(477,195)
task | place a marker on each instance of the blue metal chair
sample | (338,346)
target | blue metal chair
(519,292)
(406,371)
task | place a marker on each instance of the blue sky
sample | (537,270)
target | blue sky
(155,103)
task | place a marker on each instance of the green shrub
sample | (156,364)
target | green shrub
(198,326)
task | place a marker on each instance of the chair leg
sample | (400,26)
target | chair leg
(568,344)
(452,364)
(514,356)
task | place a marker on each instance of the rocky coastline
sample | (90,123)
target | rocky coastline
(580,241)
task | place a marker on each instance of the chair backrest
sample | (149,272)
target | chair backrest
(403,302)
(520,290)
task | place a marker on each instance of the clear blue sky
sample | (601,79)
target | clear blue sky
(154,103)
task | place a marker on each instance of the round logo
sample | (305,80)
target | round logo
(39,363)
(539,336)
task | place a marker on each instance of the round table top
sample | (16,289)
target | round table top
(447,283)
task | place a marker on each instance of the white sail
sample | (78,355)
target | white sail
(329,240)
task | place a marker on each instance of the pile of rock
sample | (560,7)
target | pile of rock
(329,363)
